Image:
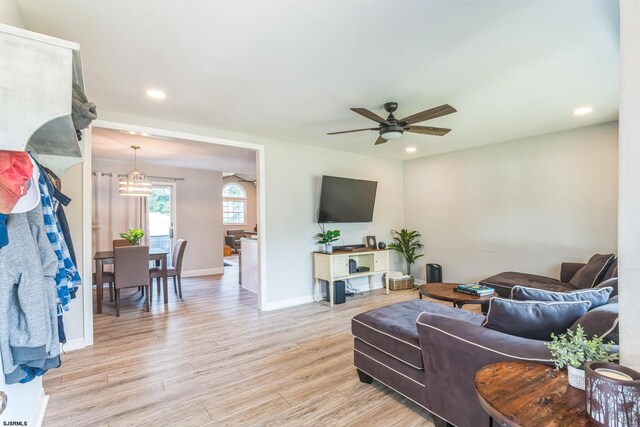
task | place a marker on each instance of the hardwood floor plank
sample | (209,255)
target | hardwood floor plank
(214,359)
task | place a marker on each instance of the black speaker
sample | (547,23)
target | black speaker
(434,273)
(353,266)
(339,296)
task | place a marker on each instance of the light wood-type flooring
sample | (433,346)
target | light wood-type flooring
(214,359)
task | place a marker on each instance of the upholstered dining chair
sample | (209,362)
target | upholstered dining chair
(131,270)
(174,270)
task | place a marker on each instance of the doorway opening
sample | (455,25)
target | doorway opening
(161,209)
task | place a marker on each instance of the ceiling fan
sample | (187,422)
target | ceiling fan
(392,128)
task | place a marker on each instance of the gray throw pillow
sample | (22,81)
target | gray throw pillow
(591,274)
(612,283)
(533,319)
(601,322)
(597,296)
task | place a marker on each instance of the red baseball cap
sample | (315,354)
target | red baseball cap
(15,170)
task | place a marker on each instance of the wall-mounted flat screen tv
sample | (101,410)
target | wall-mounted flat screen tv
(346,200)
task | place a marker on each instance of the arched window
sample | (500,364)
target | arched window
(234,204)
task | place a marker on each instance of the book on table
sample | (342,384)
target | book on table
(475,289)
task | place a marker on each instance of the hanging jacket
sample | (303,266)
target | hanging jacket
(67,277)
(28,309)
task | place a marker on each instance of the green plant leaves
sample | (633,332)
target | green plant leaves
(407,243)
(133,236)
(328,236)
(574,348)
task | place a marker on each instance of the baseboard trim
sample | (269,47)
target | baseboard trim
(75,344)
(41,407)
(288,303)
(203,272)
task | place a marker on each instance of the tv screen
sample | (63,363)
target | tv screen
(346,200)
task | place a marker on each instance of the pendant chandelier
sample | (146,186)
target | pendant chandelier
(135,183)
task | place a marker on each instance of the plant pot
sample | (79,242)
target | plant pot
(576,377)
(328,249)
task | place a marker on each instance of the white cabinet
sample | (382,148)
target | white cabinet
(335,266)
(36,77)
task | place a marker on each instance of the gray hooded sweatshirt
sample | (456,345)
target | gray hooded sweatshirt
(28,315)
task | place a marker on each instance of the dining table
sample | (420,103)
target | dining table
(106,257)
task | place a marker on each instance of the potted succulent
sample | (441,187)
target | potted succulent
(407,243)
(573,349)
(133,236)
(327,237)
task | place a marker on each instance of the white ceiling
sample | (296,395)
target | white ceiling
(116,145)
(290,70)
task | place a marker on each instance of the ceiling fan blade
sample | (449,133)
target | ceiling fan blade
(349,131)
(429,114)
(380,140)
(427,130)
(370,115)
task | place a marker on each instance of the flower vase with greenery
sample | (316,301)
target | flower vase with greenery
(407,243)
(133,236)
(573,349)
(326,237)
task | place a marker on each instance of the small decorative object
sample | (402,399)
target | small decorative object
(613,394)
(327,237)
(371,242)
(407,243)
(133,236)
(382,245)
(573,349)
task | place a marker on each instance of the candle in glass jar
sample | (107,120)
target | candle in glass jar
(613,374)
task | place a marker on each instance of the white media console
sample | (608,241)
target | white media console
(335,266)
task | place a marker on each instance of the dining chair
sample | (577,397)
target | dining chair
(131,270)
(174,270)
(120,242)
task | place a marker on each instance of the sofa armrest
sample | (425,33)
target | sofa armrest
(568,270)
(453,350)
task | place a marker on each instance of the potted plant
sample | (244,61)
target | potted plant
(573,349)
(133,236)
(407,243)
(327,237)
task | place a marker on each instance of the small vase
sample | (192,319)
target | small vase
(576,377)
(328,248)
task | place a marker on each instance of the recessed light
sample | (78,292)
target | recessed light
(156,94)
(131,132)
(582,111)
(410,149)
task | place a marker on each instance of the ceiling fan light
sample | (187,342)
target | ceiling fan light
(394,134)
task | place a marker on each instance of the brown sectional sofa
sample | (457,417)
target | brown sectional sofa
(429,352)
(503,282)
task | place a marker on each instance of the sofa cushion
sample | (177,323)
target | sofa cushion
(596,296)
(601,322)
(392,329)
(612,283)
(591,274)
(612,270)
(503,282)
(533,319)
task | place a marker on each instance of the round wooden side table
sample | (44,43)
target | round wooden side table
(526,394)
(447,292)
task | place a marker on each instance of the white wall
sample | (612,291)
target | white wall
(72,187)
(524,205)
(10,14)
(198,211)
(252,211)
(294,174)
(629,218)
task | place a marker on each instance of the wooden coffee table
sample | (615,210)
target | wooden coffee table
(446,292)
(530,394)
